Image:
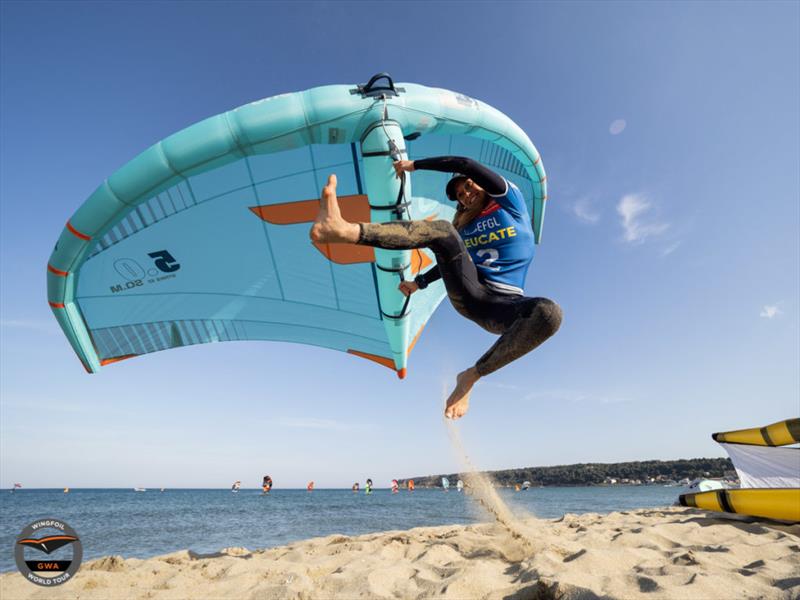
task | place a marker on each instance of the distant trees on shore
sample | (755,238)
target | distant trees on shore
(640,472)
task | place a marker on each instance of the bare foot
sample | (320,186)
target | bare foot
(458,402)
(329,226)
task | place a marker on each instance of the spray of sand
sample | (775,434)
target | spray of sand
(480,487)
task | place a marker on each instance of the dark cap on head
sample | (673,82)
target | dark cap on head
(450,190)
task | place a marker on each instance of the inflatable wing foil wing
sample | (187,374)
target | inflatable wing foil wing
(204,236)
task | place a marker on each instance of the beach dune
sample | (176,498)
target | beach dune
(652,553)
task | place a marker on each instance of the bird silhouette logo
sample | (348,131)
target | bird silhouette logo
(48,544)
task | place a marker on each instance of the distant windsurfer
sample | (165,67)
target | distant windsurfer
(482,257)
(266,484)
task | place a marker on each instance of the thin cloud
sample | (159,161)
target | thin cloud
(503,386)
(637,220)
(575,396)
(770,311)
(39,326)
(670,249)
(312,423)
(51,407)
(88,407)
(585,210)
(617,126)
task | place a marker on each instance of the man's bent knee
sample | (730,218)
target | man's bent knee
(552,315)
(446,238)
(446,227)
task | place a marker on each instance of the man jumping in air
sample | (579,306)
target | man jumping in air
(482,257)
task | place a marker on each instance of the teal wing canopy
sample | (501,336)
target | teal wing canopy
(204,236)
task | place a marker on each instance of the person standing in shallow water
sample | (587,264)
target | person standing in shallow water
(482,257)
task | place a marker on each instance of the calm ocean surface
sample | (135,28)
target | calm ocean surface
(146,524)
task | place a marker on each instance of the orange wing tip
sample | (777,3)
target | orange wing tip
(77,233)
(58,272)
(381,360)
(114,359)
(56,304)
(402,373)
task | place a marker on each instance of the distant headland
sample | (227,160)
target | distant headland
(645,472)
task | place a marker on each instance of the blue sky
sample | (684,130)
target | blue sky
(671,138)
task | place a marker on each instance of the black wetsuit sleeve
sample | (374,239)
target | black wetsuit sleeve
(423,280)
(494,184)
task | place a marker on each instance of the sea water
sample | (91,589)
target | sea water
(144,524)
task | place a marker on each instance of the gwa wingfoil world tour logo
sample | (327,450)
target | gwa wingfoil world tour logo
(48,552)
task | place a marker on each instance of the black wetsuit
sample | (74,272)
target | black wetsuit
(523,323)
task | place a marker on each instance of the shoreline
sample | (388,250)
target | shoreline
(403,490)
(648,553)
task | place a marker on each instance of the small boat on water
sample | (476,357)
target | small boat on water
(139,489)
(706,485)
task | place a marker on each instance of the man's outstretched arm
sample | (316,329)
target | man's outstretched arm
(494,184)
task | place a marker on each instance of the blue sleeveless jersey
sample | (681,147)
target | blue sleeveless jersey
(500,241)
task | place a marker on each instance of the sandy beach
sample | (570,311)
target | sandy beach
(663,553)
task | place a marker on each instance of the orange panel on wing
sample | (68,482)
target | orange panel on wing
(419,261)
(354,209)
